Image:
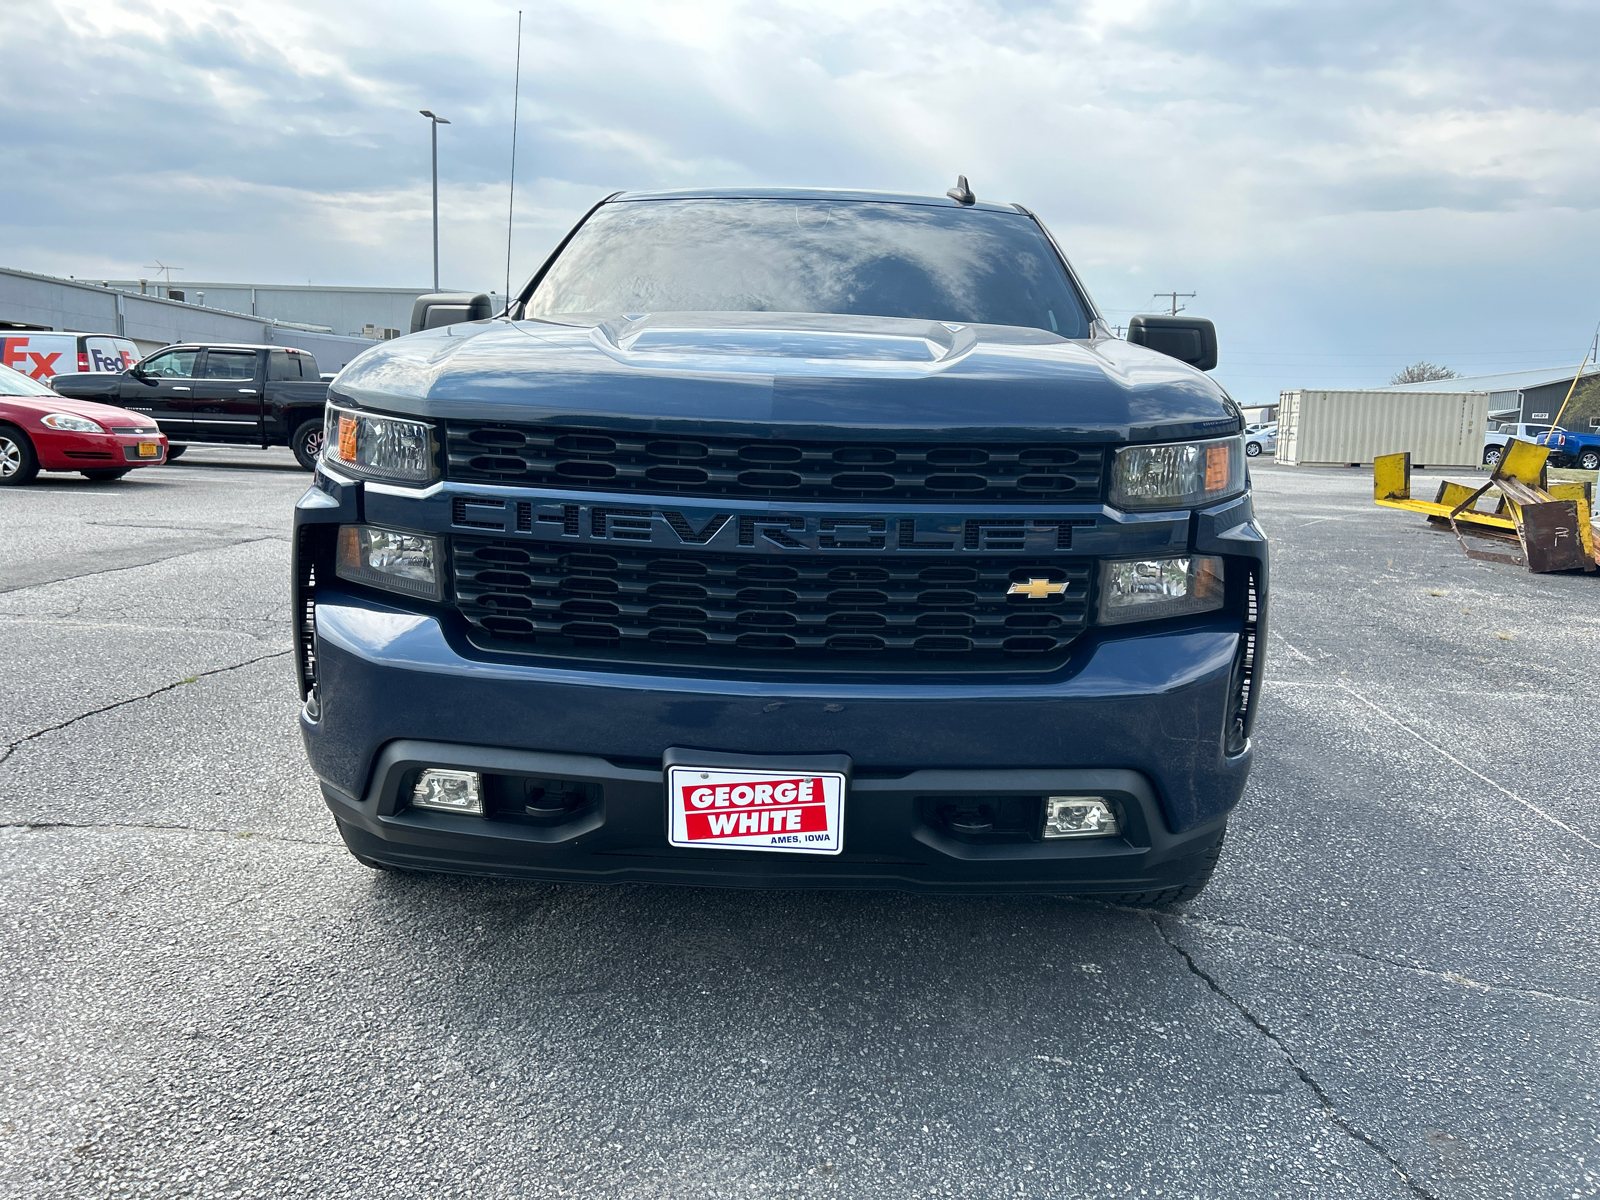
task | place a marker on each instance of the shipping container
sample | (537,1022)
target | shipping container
(1439,429)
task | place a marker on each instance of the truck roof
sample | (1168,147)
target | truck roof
(230,346)
(810,194)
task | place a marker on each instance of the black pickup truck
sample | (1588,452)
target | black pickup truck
(228,393)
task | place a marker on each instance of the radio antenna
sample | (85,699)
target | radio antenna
(511,204)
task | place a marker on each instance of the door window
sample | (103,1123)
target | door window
(285,366)
(230,364)
(174,364)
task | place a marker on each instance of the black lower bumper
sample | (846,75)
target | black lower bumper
(899,829)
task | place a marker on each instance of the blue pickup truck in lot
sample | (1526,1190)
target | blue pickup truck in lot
(1570,448)
(786,539)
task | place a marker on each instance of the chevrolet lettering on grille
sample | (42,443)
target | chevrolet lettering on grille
(734,531)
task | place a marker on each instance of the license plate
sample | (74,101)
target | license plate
(790,812)
(149,449)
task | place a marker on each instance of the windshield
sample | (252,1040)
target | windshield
(858,258)
(15,383)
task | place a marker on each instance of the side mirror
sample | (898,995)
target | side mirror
(1188,339)
(449,308)
(138,373)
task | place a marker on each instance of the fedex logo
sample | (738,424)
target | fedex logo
(34,358)
(114,363)
(15,354)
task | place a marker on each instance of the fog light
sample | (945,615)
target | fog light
(449,791)
(1079,816)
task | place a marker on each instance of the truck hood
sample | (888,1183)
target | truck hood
(790,375)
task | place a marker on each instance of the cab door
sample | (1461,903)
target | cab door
(225,402)
(162,389)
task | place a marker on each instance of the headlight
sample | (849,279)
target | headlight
(73,423)
(374,447)
(398,562)
(1178,474)
(1145,589)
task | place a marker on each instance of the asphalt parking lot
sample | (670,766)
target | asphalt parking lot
(1392,987)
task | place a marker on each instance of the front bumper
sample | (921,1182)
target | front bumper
(1141,719)
(893,835)
(62,450)
(1139,714)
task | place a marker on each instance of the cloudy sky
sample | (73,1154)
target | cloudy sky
(1347,187)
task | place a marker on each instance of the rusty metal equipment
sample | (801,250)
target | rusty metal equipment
(1549,522)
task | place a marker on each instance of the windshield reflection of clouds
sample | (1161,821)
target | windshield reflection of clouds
(844,257)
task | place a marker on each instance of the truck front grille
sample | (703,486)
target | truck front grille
(689,607)
(665,464)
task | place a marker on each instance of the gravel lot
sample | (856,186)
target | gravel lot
(1392,987)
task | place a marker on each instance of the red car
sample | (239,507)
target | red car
(43,431)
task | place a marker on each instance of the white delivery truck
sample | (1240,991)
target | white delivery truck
(1341,429)
(42,355)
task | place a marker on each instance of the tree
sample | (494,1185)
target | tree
(1584,405)
(1423,372)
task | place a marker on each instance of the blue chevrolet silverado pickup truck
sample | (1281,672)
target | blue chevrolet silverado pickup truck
(787,539)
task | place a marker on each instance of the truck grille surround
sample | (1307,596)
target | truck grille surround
(688,607)
(670,464)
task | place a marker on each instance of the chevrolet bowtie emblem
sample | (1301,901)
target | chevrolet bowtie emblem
(1036,589)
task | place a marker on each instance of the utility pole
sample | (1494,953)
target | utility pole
(1175,297)
(435,122)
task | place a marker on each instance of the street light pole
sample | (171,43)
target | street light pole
(434,123)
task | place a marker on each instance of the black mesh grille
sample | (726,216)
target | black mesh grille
(592,459)
(710,607)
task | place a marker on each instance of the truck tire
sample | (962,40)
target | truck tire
(175,452)
(1205,865)
(1589,460)
(306,442)
(18,463)
(107,475)
(1491,455)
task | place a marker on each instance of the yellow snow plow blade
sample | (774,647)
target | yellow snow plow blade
(1549,523)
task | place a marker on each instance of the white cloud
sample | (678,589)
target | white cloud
(1323,176)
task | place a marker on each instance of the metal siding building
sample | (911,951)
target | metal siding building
(42,302)
(341,310)
(1523,396)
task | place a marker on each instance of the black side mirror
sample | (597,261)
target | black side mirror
(138,373)
(448,308)
(1188,339)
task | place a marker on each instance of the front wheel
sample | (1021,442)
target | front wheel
(1589,460)
(18,463)
(106,476)
(1491,456)
(1252,449)
(307,443)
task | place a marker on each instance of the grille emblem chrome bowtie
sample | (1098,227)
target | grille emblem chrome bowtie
(1037,589)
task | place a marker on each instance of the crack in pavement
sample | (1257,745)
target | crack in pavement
(157,828)
(1445,754)
(139,559)
(38,733)
(1339,1122)
(1364,956)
